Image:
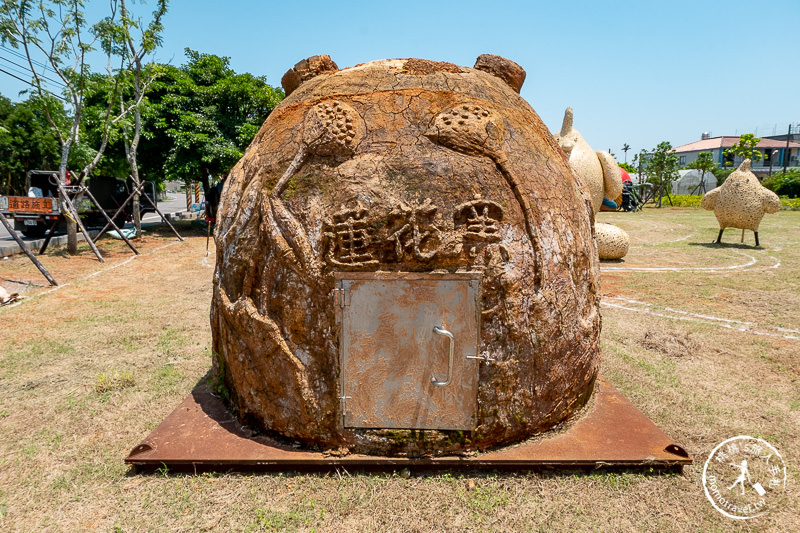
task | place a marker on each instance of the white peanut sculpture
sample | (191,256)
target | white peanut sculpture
(601,174)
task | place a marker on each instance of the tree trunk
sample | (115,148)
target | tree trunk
(137,213)
(131,150)
(137,216)
(206,180)
(130,154)
(72,237)
(72,226)
(660,192)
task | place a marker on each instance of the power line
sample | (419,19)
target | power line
(23,56)
(31,84)
(22,69)
(16,68)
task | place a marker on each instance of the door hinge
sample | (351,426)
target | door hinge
(341,297)
(343,407)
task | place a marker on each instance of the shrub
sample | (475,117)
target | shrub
(784,183)
(790,204)
(693,200)
(686,200)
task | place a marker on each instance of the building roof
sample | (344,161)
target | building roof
(726,141)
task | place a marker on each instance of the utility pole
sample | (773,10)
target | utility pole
(786,152)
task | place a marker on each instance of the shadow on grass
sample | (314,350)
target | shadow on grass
(726,245)
(186,228)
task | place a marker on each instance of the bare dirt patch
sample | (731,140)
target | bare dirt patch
(670,343)
(86,371)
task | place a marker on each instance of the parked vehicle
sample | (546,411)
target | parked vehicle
(34,213)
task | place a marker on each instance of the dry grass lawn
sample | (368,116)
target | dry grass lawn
(703,339)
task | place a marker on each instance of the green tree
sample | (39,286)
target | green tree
(136,78)
(625,148)
(56,34)
(661,168)
(95,107)
(704,163)
(640,163)
(745,148)
(201,118)
(56,40)
(27,141)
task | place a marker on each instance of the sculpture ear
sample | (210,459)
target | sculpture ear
(305,70)
(505,69)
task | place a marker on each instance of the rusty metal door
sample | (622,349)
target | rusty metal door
(408,348)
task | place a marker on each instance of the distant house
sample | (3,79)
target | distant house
(774,151)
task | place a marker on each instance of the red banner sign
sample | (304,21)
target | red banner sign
(25,204)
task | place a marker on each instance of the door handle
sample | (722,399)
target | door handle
(442,331)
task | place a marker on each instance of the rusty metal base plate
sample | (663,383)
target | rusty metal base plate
(201,435)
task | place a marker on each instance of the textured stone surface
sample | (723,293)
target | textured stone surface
(405,166)
(305,70)
(612,242)
(741,201)
(505,69)
(602,175)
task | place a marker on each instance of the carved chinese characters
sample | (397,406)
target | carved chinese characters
(481,219)
(417,233)
(349,240)
(361,238)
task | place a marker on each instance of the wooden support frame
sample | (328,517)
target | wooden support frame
(108,219)
(139,190)
(30,255)
(72,213)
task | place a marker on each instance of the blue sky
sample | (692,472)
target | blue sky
(635,72)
